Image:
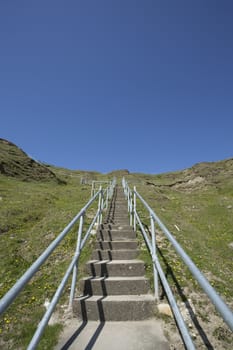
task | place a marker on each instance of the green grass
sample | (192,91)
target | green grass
(203,213)
(32,215)
(204,217)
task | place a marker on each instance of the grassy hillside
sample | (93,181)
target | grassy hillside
(199,201)
(37,202)
(197,206)
(32,214)
(16,163)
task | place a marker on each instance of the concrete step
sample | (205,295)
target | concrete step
(121,218)
(115,285)
(113,227)
(114,213)
(113,218)
(115,235)
(118,222)
(95,335)
(119,208)
(112,245)
(118,211)
(124,268)
(121,212)
(123,254)
(121,205)
(115,307)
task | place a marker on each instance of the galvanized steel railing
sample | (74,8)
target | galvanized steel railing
(102,196)
(219,304)
(96,183)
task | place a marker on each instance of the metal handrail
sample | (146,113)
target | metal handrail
(103,197)
(219,304)
(99,183)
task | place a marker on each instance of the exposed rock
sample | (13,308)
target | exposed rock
(165,309)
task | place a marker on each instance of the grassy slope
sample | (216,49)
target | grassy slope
(31,216)
(16,163)
(199,201)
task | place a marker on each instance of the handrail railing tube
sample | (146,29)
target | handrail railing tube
(74,277)
(106,201)
(73,266)
(15,290)
(158,270)
(9,297)
(45,319)
(215,298)
(99,205)
(102,207)
(85,238)
(219,304)
(177,314)
(128,197)
(131,211)
(149,245)
(135,208)
(155,272)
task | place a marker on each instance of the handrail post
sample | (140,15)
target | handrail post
(107,196)
(131,210)
(123,185)
(99,206)
(134,208)
(102,206)
(128,199)
(77,252)
(156,284)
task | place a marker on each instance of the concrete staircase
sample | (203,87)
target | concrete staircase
(116,288)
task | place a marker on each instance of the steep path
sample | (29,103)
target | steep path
(117,308)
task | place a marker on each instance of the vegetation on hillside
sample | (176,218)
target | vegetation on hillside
(196,205)
(32,214)
(16,163)
(37,201)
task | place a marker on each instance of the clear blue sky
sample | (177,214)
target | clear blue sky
(102,85)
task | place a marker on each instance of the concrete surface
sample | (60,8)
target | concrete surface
(138,335)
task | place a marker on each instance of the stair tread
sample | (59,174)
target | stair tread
(133,261)
(110,298)
(115,289)
(116,278)
(116,250)
(117,241)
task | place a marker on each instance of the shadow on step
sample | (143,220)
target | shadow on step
(103,270)
(100,310)
(101,257)
(89,292)
(109,244)
(92,340)
(101,234)
(74,336)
